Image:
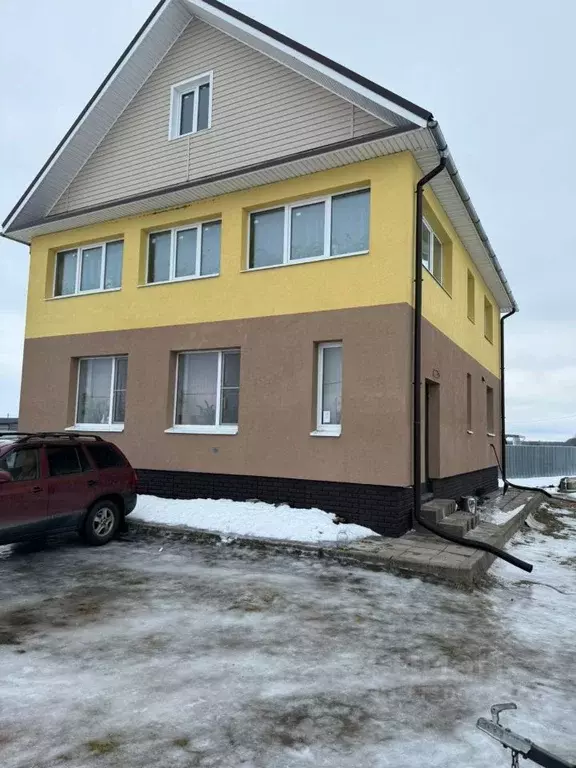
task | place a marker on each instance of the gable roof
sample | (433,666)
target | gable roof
(400,117)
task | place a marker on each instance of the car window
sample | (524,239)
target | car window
(22,464)
(105,456)
(63,460)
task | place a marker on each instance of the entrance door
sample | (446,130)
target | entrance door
(432,432)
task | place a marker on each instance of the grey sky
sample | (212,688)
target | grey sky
(498,76)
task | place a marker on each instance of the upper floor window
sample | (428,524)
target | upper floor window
(184,253)
(432,252)
(488,320)
(471,297)
(191,106)
(337,225)
(102,391)
(89,269)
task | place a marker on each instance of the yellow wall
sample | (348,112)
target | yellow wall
(384,276)
(381,277)
(448,309)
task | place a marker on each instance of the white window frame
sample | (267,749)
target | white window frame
(79,259)
(202,429)
(108,426)
(430,269)
(324,430)
(179,90)
(173,246)
(288,208)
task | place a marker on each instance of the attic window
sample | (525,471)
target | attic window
(191,106)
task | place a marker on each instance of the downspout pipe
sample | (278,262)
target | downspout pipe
(503,468)
(417,392)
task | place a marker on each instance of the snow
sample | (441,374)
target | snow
(538,482)
(144,654)
(248,519)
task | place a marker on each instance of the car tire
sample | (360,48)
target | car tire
(101,523)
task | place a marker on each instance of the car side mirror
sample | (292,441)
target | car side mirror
(5,477)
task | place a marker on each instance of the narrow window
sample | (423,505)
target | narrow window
(338,225)
(191,106)
(471,297)
(89,269)
(184,253)
(208,389)
(432,252)
(488,320)
(490,410)
(469,402)
(102,391)
(329,396)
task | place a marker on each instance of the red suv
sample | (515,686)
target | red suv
(53,482)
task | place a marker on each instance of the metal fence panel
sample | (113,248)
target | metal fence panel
(540,460)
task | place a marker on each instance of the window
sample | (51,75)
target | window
(329,397)
(191,106)
(105,456)
(471,303)
(488,320)
(22,464)
(338,225)
(90,269)
(65,460)
(184,253)
(432,252)
(101,391)
(490,410)
(207,392)
(469,402)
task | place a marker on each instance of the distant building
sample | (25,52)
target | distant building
(515,439)
(8,424)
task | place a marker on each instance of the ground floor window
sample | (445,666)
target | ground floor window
(207,390)
(329,395)
(101,391)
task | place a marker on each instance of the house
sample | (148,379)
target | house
(8,424)
(515,439)
(222,279)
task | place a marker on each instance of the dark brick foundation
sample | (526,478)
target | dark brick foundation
(477,483)
(385,509)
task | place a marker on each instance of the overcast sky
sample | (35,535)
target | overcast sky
(497,74)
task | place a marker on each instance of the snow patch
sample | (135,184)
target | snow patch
(251,519)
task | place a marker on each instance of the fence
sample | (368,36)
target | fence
(540,460)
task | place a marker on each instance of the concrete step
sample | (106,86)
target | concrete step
(436,510)
(459,523)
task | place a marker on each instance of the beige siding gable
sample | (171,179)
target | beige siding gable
(261,110)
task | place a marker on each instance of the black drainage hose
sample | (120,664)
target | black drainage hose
(475,544)
(508,484)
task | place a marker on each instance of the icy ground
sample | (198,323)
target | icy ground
(155,654)
(250,519)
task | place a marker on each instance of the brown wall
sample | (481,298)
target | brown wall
(277,396)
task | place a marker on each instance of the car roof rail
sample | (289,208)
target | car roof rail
(25,436)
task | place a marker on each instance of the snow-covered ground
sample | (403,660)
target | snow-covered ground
(159,653)
(250,519)
(538,482)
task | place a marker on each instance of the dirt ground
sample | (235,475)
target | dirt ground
(157,653)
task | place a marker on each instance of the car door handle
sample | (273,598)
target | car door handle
(37,489)
(92,482)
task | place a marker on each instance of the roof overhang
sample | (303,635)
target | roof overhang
(419,141)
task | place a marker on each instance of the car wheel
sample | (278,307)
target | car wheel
(101,523)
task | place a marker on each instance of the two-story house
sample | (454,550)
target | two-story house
(222,278)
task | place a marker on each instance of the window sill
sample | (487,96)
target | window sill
(189,135)
(178,280)
(469,431)
(438,283)
(490,434)
(472,320)
(326,433)
(96,428)
(295,262)
(490,341)
(202,430)
(82,293)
